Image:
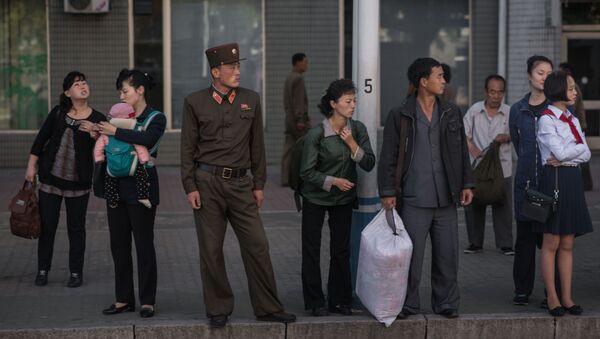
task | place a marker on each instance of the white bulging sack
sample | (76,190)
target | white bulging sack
(383,265)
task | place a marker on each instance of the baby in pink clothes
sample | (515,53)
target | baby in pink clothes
(122,115)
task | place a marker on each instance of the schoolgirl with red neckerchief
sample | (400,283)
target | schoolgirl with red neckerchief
(562,148)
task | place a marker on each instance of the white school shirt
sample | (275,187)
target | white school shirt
(555,139)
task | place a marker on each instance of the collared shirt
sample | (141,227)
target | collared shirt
(481,130)
(426,183)
(328,131)
(555,139)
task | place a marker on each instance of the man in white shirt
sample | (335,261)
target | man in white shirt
(487,121)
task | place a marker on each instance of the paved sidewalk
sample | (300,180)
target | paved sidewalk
(485,279)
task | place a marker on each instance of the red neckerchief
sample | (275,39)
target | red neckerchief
(568,120)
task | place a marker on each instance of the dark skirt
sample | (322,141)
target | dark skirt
(571,216)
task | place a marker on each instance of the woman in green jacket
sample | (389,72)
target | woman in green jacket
(331,152)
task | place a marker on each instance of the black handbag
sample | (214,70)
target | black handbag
(98,179)
(539,206)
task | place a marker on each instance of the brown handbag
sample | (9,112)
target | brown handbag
(25,218)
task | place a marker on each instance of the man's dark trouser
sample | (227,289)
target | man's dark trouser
(501,216)
(441,225)
(123,221)
(232,199)
(286,157)
(339,284)
(49,206)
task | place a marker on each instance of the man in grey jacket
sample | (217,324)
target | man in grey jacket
(424,172)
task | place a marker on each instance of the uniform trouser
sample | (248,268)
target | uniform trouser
(286,157)
(223,200)
(123,221)
(49,207)
(501,217)
(339,285)
(524,261)
(441,225)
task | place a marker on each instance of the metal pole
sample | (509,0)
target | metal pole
(365,73)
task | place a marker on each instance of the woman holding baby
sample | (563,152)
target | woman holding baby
(129,214)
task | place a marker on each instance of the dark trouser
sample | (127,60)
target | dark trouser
(339,284)
(49,206)
(441,224)
(232,199)
(286,157)
(586,175)
(524,263)
(122,222)
(501,217)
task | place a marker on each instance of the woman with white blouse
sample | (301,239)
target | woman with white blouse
(562,148)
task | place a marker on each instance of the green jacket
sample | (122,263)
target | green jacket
(325,156)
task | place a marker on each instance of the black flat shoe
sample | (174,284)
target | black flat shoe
(147,312)
(113,309)
(75,280)
(41,279)
(218,321)
(404,314)
(449,313)
(319,311)
(558,311)
(279,317)
(574,310)
(341,309)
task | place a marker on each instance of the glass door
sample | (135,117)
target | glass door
(582,51)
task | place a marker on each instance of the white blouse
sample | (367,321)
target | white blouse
(556,140)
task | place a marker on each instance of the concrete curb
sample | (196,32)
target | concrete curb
(120,332)
(194,329)
(476,326)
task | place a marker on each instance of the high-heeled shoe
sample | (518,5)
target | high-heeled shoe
(558,311)
(574,310)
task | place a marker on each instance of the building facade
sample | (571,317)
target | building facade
(40,42)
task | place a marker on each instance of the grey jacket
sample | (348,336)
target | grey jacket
(398,144)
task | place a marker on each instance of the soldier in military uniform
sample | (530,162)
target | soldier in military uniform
(295,103)
(221,143)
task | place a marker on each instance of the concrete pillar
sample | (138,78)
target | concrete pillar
(365,73)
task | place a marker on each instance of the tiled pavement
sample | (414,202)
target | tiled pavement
(485,279)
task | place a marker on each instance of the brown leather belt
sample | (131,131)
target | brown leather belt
(223,172)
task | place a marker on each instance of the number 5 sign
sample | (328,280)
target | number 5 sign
(368,85)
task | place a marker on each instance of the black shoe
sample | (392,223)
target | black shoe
(280,317)
(472,249)
(521,299)
(41,279)
(75,280)
(147,312)
(558,311)
(574,310)
(218,321)
(449,313)
(341,309)
(404,314)
(507,251)
(113,309)
(319,311)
